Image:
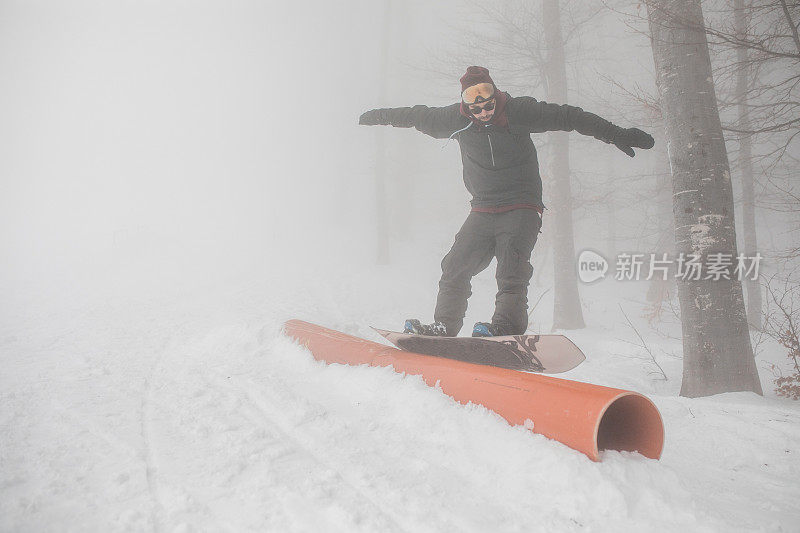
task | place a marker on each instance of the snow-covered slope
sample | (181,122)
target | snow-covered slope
(183,408)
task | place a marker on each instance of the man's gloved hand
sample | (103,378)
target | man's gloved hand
(630,138)
(374,117)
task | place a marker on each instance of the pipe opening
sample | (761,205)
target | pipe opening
(633,424)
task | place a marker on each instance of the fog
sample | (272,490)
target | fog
(212,138)
(152,131)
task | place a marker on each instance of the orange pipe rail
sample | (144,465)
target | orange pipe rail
(588,418)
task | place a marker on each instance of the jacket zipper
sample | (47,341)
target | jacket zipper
(491,151)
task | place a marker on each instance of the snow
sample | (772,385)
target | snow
(701,233)
(177,405)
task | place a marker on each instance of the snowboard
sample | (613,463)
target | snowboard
(548,354)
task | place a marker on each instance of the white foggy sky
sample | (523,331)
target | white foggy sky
(201,121)
(227,131)
(223,128)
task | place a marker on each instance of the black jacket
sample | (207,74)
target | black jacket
(500,164)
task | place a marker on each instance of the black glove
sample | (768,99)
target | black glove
(374,117)
(630,138)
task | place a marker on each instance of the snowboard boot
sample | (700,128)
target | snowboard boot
(437,329)
(485,329)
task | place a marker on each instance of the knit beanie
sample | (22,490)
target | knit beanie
(477,76)
(477,86)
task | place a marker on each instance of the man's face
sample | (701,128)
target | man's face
(480,100)
(483,111)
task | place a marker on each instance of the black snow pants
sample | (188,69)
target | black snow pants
(510,237)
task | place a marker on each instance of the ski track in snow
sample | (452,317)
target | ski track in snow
(267,411)
(186,414)
(151,471)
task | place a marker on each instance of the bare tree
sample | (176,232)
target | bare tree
(768,31)
(782,323)
(648,199)
(758,47)
(661,288)
(567,313)
(718,355)
(756,65)
(754,301)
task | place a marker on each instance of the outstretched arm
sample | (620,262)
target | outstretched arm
(438,122)
(541,117)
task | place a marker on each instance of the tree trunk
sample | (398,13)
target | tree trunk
(717,354)
(660,289)
(567,313)
(746,167)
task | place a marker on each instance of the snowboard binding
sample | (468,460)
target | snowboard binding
(437,329)
(485,329)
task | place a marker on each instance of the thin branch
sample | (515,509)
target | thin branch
(644,344)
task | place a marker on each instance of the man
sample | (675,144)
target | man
(501,171)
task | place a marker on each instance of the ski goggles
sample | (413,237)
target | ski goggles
(477,110)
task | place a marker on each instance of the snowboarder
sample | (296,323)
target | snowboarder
(501,171)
